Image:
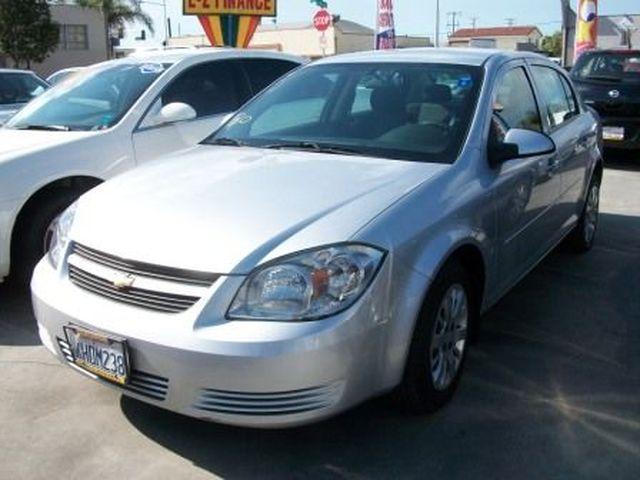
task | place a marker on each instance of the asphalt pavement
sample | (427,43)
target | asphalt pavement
(551,391)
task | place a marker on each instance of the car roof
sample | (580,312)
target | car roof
(16,70)
(175,55)
(464,56)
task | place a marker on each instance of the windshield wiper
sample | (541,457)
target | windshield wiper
(314,147)
(48,128)
(227,142)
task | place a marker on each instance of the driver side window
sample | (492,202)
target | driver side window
(514,105)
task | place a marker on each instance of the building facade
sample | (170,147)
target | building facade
(303,39)
(504,38)
(82,42)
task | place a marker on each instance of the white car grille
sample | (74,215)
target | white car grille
(152,287)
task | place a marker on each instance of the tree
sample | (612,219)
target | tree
(552,44)
(118,13)
(27,33)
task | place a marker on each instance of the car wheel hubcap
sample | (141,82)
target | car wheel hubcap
(591,213)
(449,337)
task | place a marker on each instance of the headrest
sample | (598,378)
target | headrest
(437,93)
(387,100)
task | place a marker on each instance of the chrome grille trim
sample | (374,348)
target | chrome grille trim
(141,383)
(157,288)
(145,269)
(133,296)
(269,403)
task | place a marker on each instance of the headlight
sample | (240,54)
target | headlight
(308,285)
(60,235)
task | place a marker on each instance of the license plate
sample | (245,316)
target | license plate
(615,134)
(102,355)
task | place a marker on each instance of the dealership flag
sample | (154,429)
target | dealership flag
(385,30)
(586,26)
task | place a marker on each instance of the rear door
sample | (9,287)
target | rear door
(213,89)
(526,189)
(571,130)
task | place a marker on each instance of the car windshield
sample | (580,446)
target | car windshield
(16,87)
(93,99)
(608,66)
(416,111)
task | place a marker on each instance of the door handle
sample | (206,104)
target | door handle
(553,163)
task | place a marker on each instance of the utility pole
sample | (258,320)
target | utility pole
(454,22)
(510,21)
(437,23)
(474,22)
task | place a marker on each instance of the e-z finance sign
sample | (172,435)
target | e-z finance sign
(262,8)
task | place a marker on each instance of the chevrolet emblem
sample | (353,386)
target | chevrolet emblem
(124,282)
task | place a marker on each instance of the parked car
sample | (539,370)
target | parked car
(62,75)
(609,81)
(338,238)
(107,119)
(17,88)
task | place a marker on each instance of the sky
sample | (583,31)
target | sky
(413,17)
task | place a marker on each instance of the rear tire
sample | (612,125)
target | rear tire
(583,235)
(440,341)
(29,242)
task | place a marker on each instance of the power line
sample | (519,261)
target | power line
(454,21)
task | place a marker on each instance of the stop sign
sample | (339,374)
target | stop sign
(322,20)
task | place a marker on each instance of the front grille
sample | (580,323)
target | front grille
(153,287)
(275,403)
(141,383)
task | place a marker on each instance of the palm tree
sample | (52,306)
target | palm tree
(118,13)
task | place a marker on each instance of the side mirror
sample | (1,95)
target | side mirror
(175,112)
(520,143)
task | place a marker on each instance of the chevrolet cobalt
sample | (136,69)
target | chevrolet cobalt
(336,239)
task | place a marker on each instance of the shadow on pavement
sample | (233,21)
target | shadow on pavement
(17,323)
(622,160)
(552,390)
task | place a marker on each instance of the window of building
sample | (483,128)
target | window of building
(74,37)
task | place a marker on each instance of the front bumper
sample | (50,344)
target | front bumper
(255,374)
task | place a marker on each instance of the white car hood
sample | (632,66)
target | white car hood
(18,142)
(227,209)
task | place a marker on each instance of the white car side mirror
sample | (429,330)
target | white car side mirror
(175,112)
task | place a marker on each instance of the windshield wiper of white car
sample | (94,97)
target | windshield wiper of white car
(227,142)
(314,147)
(48,128)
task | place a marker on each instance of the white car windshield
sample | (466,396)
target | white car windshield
(94,99)
(17,87)
(406,111)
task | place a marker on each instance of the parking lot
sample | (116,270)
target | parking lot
(552,390)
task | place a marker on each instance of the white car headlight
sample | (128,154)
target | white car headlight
(309,285)
(60,235)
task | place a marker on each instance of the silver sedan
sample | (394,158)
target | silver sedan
(336,239)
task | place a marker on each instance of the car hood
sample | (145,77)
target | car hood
(15,143)
(227,209)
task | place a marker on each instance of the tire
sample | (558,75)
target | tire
(29,244)
(424,388)
(582,237)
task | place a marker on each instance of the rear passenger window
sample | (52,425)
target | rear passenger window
(263,72)
(558,102)
(514,103)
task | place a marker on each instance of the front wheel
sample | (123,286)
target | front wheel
(582,237)
(440,341)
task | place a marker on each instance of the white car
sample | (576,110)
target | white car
(17,88)
(61,75)
(108,119)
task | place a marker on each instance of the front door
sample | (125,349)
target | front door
(213,89)
(526,190)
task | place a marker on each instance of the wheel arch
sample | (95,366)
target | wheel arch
(79,183)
